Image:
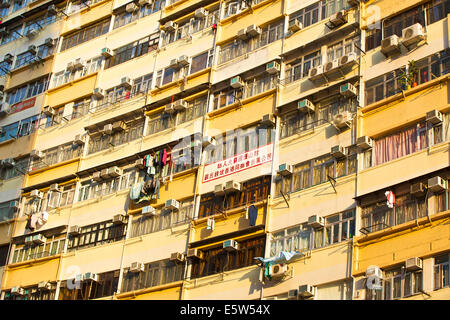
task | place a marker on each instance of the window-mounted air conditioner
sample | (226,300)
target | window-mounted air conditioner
(140,163)
(183,61)
(17,291)
(115,171)
(31,33)
(437,184)
(348,90)
(195,254)
(44,285)
(253,30)
(292,294)
(364,142)
(79,63)
(236,82)
(49,42)
(108,128)
(8,163)
(75,230)
(173,64)
(172,204)
(170,26)
(295,25)
(52,9)
(104,173)
(39,239)
(200,13)
(342,120)
(131,7)
(374,271)
(338,152)
(144,2)
(90,276)
(219,190)
(148,210)
(273,67)
(434,117)
(54,187)
(70,66)
(413,264)
(36,194)
(418,189)
(107,52)
(207,141)
(242,34)
(315,73)
(230,245)
(79,139)
(126,82)
(36,154)
(316,221)
(8,57)
(14,205)
(331,66)
(28,240)
(180,105)
(390,45)
(232,186)
(32,49)
(278,271)
(48,111)
(96,176)
(305,106)
(119,125)
(119,219)
(99,93)
(268,120)
(169,108)
(136,267)
(339,18)
(177,257)
(412,35)
(285,169)
(348,59)
(306,291)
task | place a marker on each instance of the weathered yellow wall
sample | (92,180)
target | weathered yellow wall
(18,147)
(26,275)
(164,294)
(58,171)
(87,16)
(71,91)
(28,73)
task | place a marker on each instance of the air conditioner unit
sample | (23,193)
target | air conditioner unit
(348,60)
(48,111)
(140,163)
(232,186)
(104,173)
(75,230)
(119,125)
(180,105)
(114,172)
(413,264)
(54,187)
(89,276)
(293,294)
(108,128)
(200,13)
(315,73)
(183,61)
(107,52)
(170,26)
(374,271)
(306,291)
(418,189)
(353,3)
(253,30)
(218,190)
(195,254)
(96,176)
(79,63)
(36,194)
(14,204)
(177,257)
(172,204)
(136,267)
(99,93)
(28,240)
(285,169)
(236,82)
(131,7)
(36,154)
(173,64)
(242,35)
(268,120)
(169,108)
(339,18)
(31,33)
(338,152)
(348,90)
(144,2)
(148,210)
(316,221)
(437,184)
(412,35)
(273,67)
(342,120)
(119,219)
(305,106)
(364,142)
(32,49)
(17,291)
(39,239)
(8,57)
(44,285)
(8,163)
(230,245)
(295,25)
(49,42)
(126,82)
(70,66)
(331,66)
(4,109)
(52,9)
(79,139)
(207,141)
(390,45)
(434,117)
(278,271)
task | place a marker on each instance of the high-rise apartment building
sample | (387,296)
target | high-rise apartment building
(209,149)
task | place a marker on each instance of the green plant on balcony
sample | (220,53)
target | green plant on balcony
(408,77)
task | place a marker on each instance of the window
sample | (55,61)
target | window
(80,108)
(373,38)
(40,22)
(293,239)
(437,10)
(19,5)
(57,154)
(91,66)
(299,68)
(133,50)
(441,271)
(96,235)
(154,274)
(342,48)
(201,61)
(384,86)
(12,34)
(106,285)
(397,285)
(5,67)
(163,219)
(217,260)
(4,12)
(27,91)
(81,4)
(234,7)
(318,11)
(19,129)
(24,58)
(19,168)
(33,293)
(85,34)
(196,108)
(433,67)
(123,18)
(54,245)
(6,213)
(396,24)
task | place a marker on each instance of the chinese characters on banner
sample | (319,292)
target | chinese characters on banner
(238,163)
(23,105)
